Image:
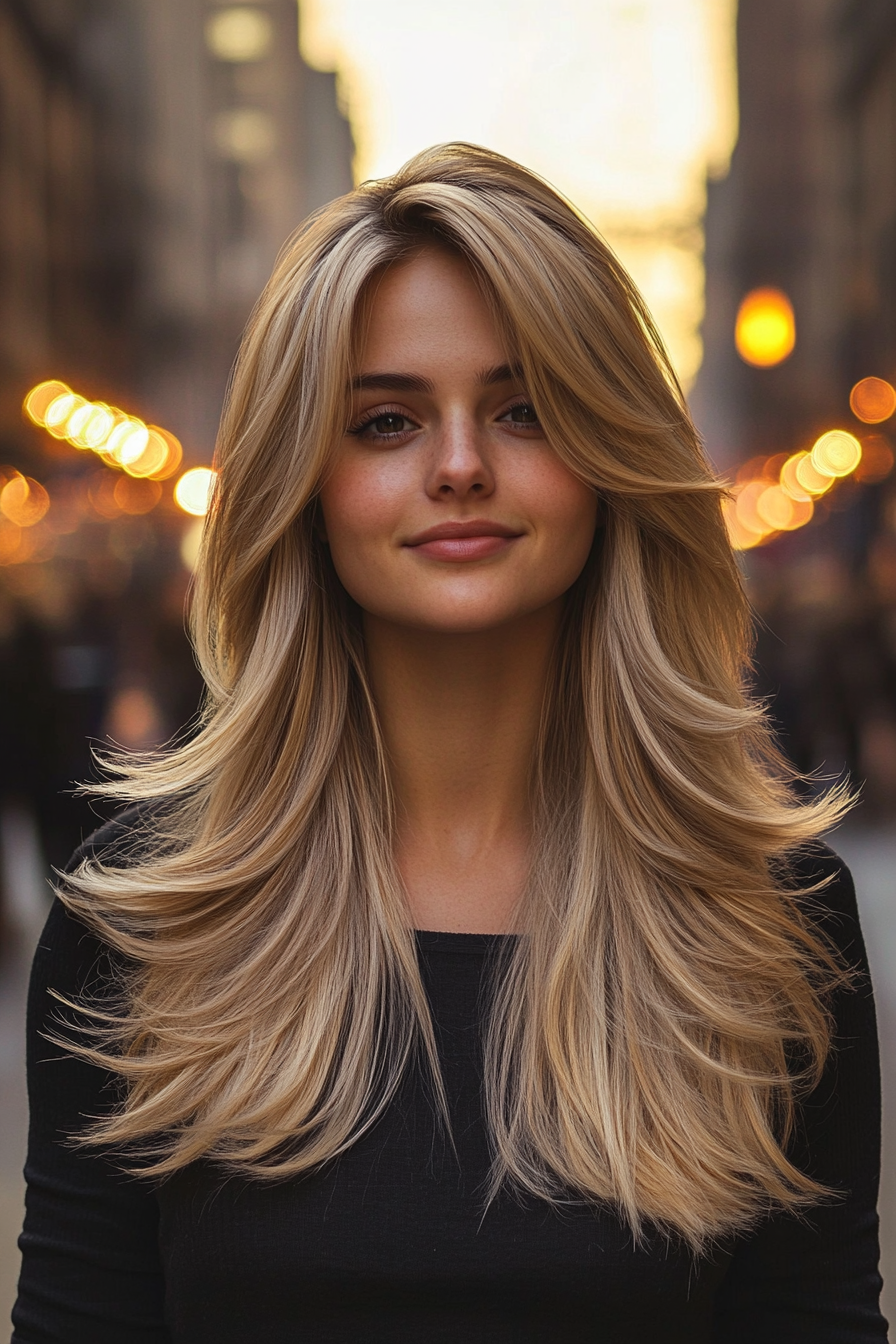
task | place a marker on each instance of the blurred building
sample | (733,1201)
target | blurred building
(154,157)
(809,209)
(866,40)
(69,181)
(243,140)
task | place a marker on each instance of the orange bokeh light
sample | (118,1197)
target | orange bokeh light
(39,398)
(872,400)
(136,496)
(765,330)
(877,459)
(24,501)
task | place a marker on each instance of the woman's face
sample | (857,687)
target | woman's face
(446,509)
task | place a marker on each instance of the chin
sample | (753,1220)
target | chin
(457,618)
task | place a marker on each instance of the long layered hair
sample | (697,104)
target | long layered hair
(641,1035)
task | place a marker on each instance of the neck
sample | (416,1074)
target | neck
(460,716)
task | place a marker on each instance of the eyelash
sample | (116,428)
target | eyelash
(371,417)
(358,428)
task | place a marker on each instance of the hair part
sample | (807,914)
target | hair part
(638,1038)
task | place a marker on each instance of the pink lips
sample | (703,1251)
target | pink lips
(475,539)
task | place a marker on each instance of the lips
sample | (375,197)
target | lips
(473,539)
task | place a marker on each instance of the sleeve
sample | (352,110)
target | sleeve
(814,1279)
(91,1271)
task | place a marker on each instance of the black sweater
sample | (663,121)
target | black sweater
(385,1245)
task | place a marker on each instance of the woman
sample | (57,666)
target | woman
(472,973)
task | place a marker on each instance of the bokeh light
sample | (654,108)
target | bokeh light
(836,453)
(39,398)
(765,331)
(872,400)
(136,496)
(245,134)
(742,538)
(747,513)
(194,490)
(790,483)
(877,459)
(776,509)
(153,457)
(24,501)
(191,543)
(97,427)
(59,411)
(777,494)
(122,441)
(174,455)
(239,33)
(813,481)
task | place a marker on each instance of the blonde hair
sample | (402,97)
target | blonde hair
(639,1034)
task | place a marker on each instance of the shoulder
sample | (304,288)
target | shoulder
(824,889)
(119,841)
(70,956)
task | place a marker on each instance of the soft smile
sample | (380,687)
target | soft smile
(475,539)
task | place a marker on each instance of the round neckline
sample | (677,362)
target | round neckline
(439,940)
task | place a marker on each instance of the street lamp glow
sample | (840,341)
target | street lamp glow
(41,397)
(194,490)
(836,453)
(873,400)
(239,34)
(765,331)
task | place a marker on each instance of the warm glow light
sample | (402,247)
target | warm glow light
(144,452)
(40,397)
(836,453)
(24,501)
(132,444)
(10,541)
(811,480)
(194,489)
(776,509)
(765,331)
(239,34)
(191,543)
(135,496)
(152,459)
(97,428)
(245,134)
(789,482)
(877,459)
(101,493)
(77,421)
(175,454)
(627,106)
(747,513)
(741,538)
(872,400)
(59,411)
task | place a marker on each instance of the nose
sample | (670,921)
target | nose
(460,465)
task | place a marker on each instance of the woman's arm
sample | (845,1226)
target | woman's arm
(90,1263)
(815,1280)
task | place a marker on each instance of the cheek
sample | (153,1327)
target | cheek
(568,512)
(359,509)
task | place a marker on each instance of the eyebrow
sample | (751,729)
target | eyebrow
(411,382)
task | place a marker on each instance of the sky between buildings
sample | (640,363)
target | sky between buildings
(625,105)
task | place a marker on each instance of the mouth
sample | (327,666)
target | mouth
(475,539)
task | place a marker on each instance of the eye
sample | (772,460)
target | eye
(522,415)
(382,426)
